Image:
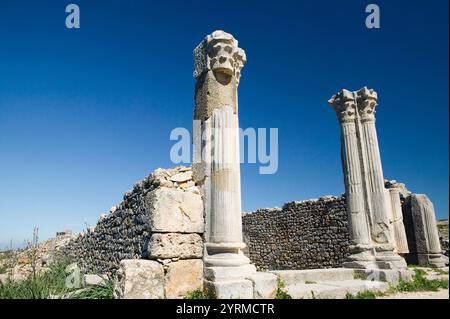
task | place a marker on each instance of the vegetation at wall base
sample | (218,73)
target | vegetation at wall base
(103,291)
(196,294)
(281,292)
(363,295)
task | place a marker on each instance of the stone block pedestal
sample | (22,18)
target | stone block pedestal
(242,282)
(229,289)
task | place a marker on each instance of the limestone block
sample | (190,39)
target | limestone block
(426,235)
(182,277)
(174,210)
(230,289)
(291,277)
(93,280)
(139,279)
(335,289)
(226,273)
(265,285)
(182,177)
(175,245)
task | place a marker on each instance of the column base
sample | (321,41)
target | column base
(226,260)
(374,257)
(226,271)
(228,274)
(229,282)
(360,265)
(361,257)
(432,260)
(386,258)
(225,255)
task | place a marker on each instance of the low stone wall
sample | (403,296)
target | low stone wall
(301,235)
(161,219)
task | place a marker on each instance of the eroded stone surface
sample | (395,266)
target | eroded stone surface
(265,285)
(175,211)
(171,245)
(94,280)
(230,289)
(423,236)
(182,277)
(139,279)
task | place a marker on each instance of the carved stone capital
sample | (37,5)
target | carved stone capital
(219,52)
(367,102)
(344,105)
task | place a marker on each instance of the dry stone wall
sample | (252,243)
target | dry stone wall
(301,235)
(161,220)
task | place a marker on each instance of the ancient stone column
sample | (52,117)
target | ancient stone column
(361,249)
(401,242)
(374,182)
(218,64)
(427,245)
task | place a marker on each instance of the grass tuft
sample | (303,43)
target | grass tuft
(281,292)
(196,294)
(39,286)
(103,291)
(362,295)
(419,283)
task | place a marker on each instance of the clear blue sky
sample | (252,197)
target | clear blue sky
(86,113)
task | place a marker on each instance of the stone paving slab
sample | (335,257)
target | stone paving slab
(314,275)
(334,289)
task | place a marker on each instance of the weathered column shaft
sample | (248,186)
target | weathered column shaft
(375,184)
(401,242)
(428,215)
(373,175)
(427,245)
(225,222)
(359,232)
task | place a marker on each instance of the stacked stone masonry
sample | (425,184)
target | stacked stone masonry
(160,219)
(301,235)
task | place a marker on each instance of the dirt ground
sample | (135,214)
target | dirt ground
(441,294)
